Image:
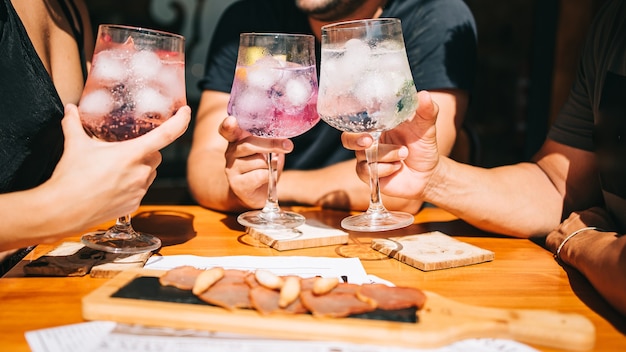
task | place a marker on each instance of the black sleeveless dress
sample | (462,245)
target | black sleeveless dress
(31,138)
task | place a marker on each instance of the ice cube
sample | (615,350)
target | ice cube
(358,53)
(335,77)
(145,65)
(262,79)
(109,67)
(249,105)
(298,91)
(171,80)
(395,61)
(96,104)
(347,68)
(265,73)
(149,101)
(374,89)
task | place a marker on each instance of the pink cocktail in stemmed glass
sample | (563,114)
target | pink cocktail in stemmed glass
(136,82)
(274,95)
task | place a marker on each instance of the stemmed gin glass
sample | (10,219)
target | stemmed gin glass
(274,95)
(366,85)
(136,81)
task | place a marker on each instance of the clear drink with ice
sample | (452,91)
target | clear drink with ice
(366,85)
(133,85)
(274,98)
(366,88)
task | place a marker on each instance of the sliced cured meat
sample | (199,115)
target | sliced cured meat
(234,276)
(229,295)
(265,301)
(391,298)
(343,287)
(230,292)
(307,283)
(182,277)
(242,289)
(250,279)
(334,304)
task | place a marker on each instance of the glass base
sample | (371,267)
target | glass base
(117,242)
(363,251)
(372,222)
(281,220)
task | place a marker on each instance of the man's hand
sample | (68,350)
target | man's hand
(246,162)
(407,155)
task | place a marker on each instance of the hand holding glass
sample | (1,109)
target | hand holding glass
(136,82)
(366,85)
(274,95)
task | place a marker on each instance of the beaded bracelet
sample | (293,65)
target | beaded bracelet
(557,254)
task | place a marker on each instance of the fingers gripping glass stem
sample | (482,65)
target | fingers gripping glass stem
(136,81)
(371,153)
(274,95)
(366,86)
(271,216)
(377,217)
(271,208)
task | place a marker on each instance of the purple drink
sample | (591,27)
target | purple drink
(274,99)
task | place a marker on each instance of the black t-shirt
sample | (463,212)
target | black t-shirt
(594,115)
(440,39)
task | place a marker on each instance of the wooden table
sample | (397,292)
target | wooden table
(523,274)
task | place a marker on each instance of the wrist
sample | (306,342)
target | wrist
(437,184)
(568,238)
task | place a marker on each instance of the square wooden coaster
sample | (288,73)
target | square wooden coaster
(311,234)
(432,251)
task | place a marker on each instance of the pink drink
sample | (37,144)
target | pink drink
(129,92)
(274,99)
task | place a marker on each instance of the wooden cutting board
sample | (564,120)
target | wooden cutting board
(440,322)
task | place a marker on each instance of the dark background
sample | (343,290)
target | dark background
(527,54)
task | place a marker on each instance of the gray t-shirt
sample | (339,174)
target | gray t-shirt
(594,116)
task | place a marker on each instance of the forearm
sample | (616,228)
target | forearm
(336,186)
(34,216)
(207,181)
(517,200)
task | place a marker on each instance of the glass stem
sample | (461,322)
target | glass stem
(122,224)
(271,207)
(376,207)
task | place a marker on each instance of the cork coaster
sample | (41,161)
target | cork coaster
(432,251)
(311,234)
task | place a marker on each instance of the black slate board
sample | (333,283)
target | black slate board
(149,288)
